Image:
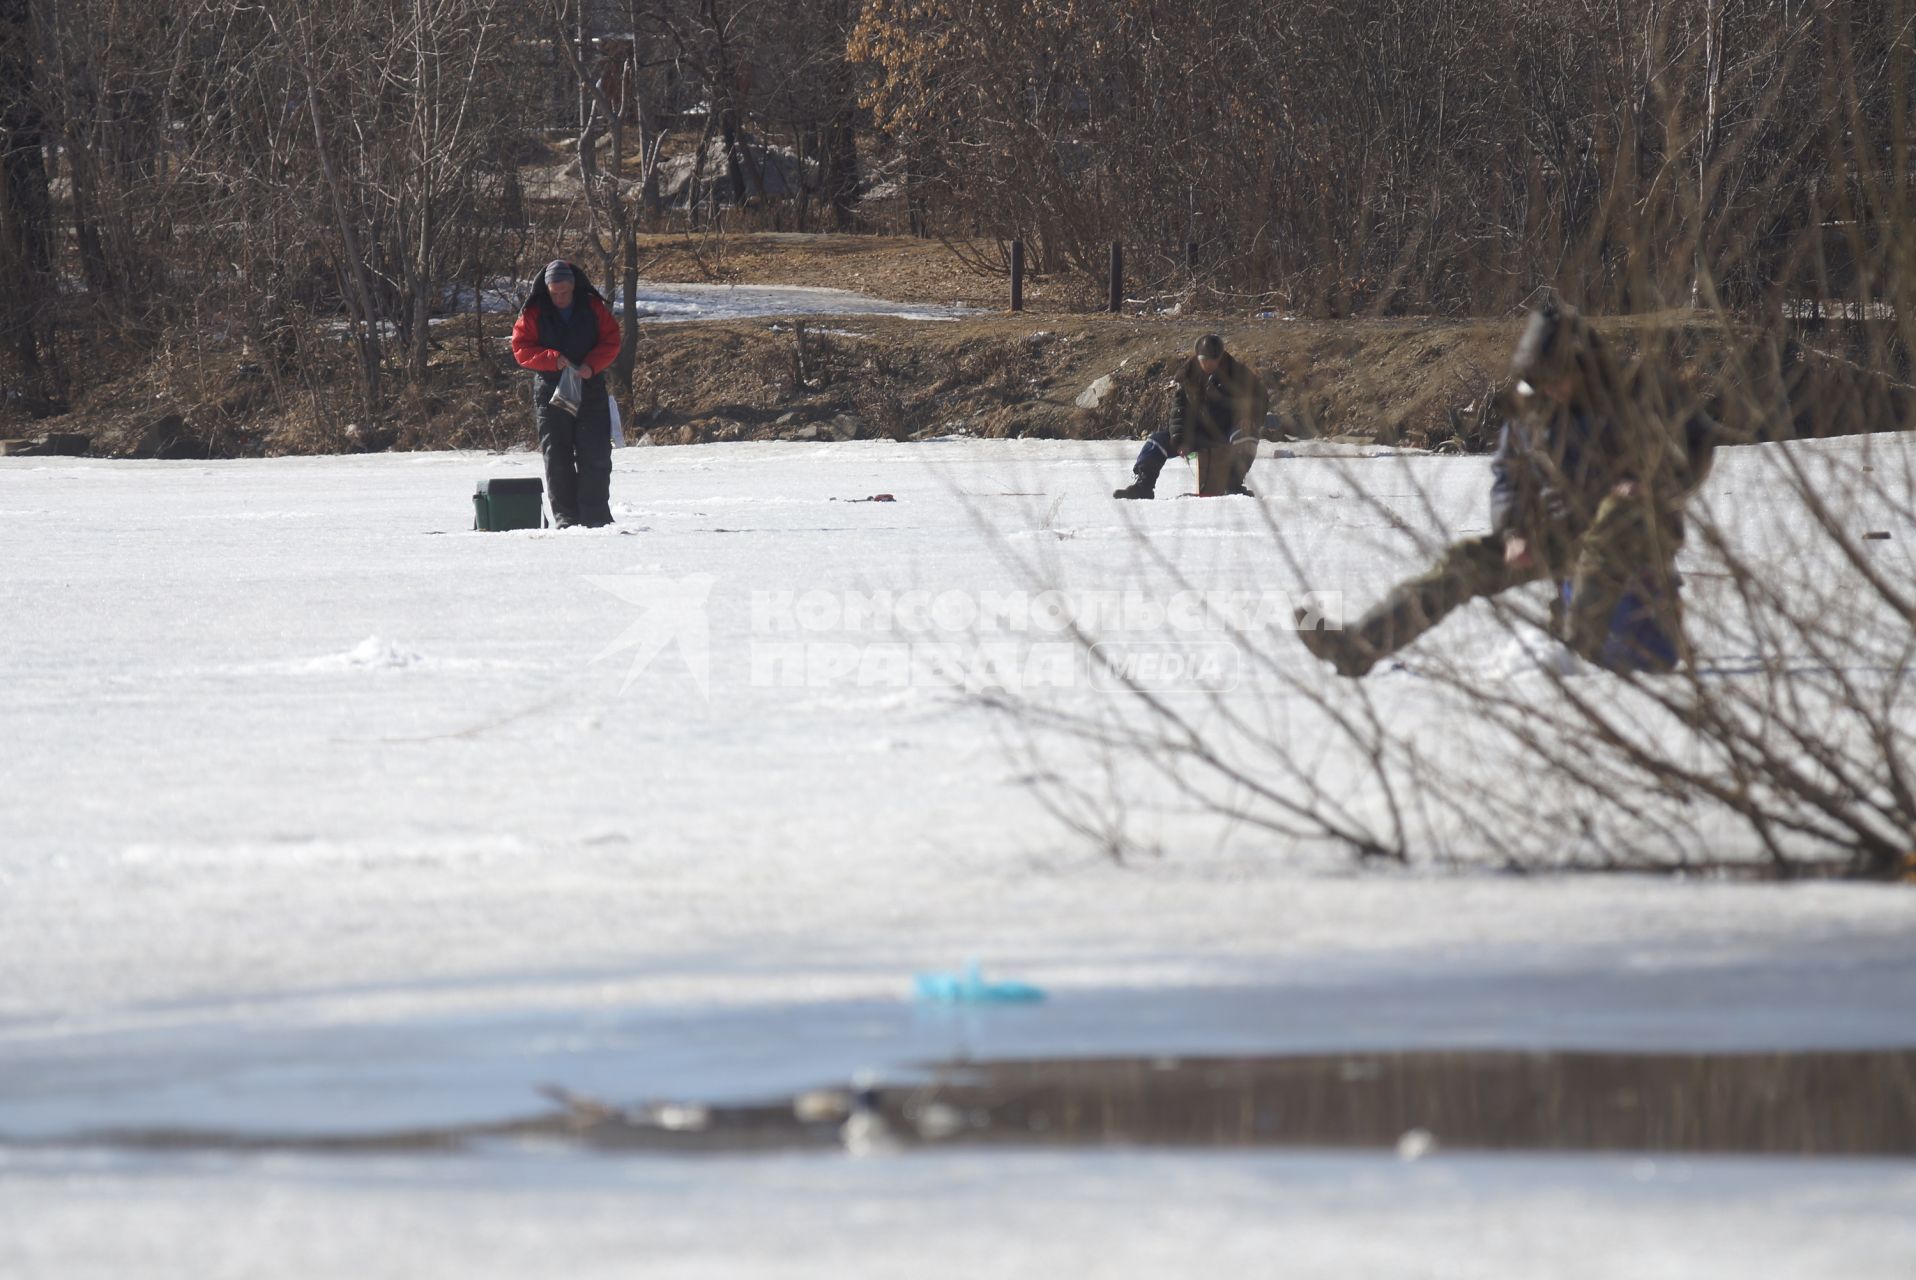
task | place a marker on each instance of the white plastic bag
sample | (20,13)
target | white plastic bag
(570,392)
(618,428)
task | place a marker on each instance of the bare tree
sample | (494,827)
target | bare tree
(25,203)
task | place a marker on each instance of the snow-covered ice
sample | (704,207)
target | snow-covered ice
(321,810)
(659,301)
(664,301)
(1315,1217)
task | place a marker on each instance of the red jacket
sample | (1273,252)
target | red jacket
(530,354)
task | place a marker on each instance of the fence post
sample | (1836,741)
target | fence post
(1017,275)
(1117,278)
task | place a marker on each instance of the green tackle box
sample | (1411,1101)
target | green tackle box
(513,503)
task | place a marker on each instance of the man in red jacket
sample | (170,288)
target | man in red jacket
(567,324)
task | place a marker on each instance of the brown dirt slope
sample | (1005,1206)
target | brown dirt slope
(1006,375)
(1000,374)
(993,374)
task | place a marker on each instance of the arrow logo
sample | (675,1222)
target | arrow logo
(674,610)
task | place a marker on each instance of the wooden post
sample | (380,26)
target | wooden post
(1017,275)
(1117,277)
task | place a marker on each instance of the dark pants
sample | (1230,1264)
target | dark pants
(1220,470)
(578,456)
(1152,457)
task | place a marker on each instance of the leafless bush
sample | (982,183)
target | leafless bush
(265,182)
(1784,747)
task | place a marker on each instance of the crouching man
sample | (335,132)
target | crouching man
(1589,481)
(1217,411)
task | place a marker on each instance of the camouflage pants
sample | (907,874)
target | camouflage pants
(1625,600)
(1623,564)
(1220,470)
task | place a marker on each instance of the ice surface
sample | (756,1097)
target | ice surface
(314,794)
(1315,1217)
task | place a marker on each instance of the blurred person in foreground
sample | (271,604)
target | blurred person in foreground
(1591,472)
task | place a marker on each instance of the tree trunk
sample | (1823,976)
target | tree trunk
(725,97)
(422,284)
(841,168)
(26,206)
(698,173)
(359,291)
(629,347)
(728,130)
(1706,144)
(649,143)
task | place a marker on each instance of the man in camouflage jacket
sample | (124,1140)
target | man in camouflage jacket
(1218,405)
(1588,485)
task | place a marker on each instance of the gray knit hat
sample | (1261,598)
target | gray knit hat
(1553,339)
(558,271)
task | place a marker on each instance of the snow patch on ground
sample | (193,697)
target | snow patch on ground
(370,654)
(665,302)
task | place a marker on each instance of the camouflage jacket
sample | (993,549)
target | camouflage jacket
(1207,409)
(1552,470)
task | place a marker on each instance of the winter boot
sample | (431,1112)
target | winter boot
(1139,488)
(1345,650)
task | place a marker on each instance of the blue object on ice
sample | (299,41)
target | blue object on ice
(970,987)
(1635,642)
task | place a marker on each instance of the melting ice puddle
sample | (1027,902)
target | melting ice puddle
(1824,1104)
(1750,1056)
